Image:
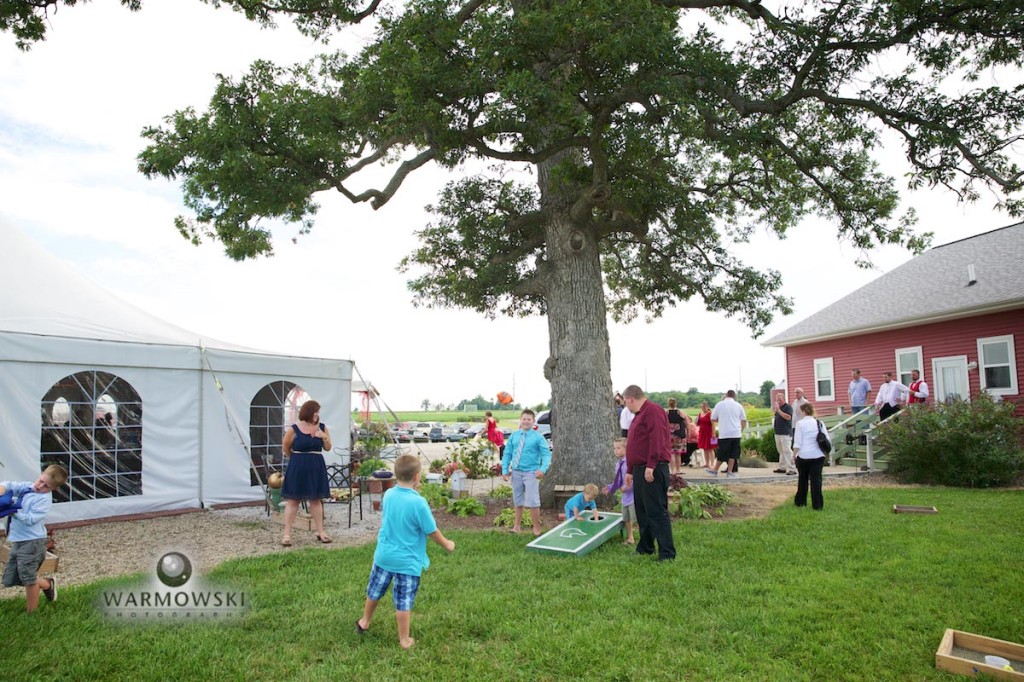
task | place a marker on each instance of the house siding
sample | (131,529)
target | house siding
(875,353)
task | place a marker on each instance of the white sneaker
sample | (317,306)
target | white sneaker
(732,475)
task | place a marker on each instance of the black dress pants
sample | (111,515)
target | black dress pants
(651,501)
(809,472)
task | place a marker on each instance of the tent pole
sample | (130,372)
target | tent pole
(202,429)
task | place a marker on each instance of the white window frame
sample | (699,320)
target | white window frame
(1011,354)
(918,350)
(824,362)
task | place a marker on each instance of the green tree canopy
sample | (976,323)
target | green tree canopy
(608,153)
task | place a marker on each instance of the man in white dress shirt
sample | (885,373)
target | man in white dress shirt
(890,394)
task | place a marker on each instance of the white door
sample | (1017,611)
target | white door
(950,379)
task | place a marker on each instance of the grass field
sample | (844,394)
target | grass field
(852,593)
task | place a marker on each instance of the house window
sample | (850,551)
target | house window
(998,365)
(272,410)
(92,426)
(824,379)
(906,360)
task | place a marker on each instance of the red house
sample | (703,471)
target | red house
(955,313)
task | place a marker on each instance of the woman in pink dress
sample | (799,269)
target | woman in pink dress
(705,432)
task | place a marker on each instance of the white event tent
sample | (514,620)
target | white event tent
(146,416)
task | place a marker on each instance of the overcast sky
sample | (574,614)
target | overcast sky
(72,108)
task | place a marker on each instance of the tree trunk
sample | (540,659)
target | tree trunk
(579,366)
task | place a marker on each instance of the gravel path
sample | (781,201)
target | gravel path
(105,550)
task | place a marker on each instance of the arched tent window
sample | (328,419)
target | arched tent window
(273,408)
(92,426)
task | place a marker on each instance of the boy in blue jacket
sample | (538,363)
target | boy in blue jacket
(30,503)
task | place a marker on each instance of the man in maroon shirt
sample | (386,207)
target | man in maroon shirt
(648,453)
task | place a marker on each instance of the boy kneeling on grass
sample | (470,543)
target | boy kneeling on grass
(27,533)
(401,554)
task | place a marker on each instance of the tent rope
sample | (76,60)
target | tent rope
(233,422)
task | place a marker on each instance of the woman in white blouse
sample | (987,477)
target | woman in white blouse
(809,459)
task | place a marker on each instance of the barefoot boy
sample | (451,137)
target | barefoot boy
(401,555)
(28,534)
(619,481)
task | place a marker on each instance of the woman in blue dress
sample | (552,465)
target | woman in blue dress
(306,475)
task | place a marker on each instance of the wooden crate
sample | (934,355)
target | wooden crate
(949,655)
(50,563)
(302,521)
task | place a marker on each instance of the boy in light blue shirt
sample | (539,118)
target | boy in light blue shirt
(28,504)
(401,554)
(580,501)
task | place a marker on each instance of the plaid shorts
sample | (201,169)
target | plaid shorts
(404,592)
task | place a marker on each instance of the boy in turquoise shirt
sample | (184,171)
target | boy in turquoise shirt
(401,554)
(580,501)
(27,533)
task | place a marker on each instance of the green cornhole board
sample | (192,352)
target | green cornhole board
(576,538)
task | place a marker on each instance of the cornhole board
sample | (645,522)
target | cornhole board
(577,538)
(49,564)
(964,653)
(913,509)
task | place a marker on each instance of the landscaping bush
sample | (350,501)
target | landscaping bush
(435,494)
(467,506)
(475,456)
(690,503)
(975,444)
(763,445)
(752,459)
(507,517)
(502,492)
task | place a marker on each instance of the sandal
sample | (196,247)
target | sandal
(286,541)
(360,630)
(325,539)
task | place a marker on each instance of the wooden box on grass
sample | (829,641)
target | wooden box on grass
(302,521)
(49,563)
(964,653)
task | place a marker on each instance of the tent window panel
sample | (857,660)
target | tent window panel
(92,426)
(82,488)
(129,484)
(106,486)
(268,419)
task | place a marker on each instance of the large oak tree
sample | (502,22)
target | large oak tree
(626,144)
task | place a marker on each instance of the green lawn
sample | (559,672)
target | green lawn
(852,593)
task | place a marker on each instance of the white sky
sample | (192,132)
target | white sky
(72,108)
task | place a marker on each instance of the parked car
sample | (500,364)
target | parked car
(400,435)
(454,436)
(421,429)
(436,434)
(544,423)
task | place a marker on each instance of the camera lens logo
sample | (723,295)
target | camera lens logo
(174,569)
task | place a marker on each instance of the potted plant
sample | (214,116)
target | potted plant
(378,478)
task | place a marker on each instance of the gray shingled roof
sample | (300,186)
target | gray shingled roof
(931,287)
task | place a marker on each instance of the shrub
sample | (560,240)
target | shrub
(677,482)
(475,457)
(507,518)
(435,494)
(368,466)
(502,492)
(753,459)
(437,465)
(763,444)
(690,502)
(975,444)
(467,506)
